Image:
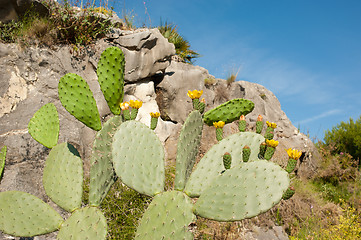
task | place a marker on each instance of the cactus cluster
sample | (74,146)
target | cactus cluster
(63,171)
(231,181)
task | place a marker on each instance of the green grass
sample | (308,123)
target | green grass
(333,192)
(122,207)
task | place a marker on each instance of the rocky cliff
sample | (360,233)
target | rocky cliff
(29,78)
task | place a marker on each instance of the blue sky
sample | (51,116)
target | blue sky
(307,52)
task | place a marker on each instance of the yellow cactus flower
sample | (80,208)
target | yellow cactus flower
(242,118)
(294,154)
(219,124)
(154,115)
(259,118)
(135,104)
(272,125)
(195,94)
(124,106)
(272,143)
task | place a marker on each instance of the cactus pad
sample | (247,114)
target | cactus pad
(44,125)
(110,73)
(102,175)
(167,217)
(84,223)
(138,158)
(63,177)
(211,165)
(2,160)
(243,192)
(229,111)
(77,98)
(25,215)
(187,149)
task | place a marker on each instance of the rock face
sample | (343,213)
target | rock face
(12,9)
(29,79)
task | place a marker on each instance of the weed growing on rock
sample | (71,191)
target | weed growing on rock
(182,46)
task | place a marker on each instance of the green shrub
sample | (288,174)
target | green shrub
(182,46)
(79,27)
(347,227)
(346,138)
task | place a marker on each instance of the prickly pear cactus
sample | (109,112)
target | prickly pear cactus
(243,192)
(167,217)
(2,160)
(187,150)
(229,111)
(211,165)
(44,125)
(102,175)
(110,73)
(25,215)
(63,177)
(77,98)
(138,158)
(84,223)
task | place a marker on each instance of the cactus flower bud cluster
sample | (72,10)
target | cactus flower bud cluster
(293,155)
(197,104)
(242,123)
(135,105)
(154,120)
(271,148)
(259,124)
(219,129)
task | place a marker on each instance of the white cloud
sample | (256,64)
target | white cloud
(319,116)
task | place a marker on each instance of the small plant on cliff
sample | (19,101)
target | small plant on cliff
(64,24)
(182,46)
